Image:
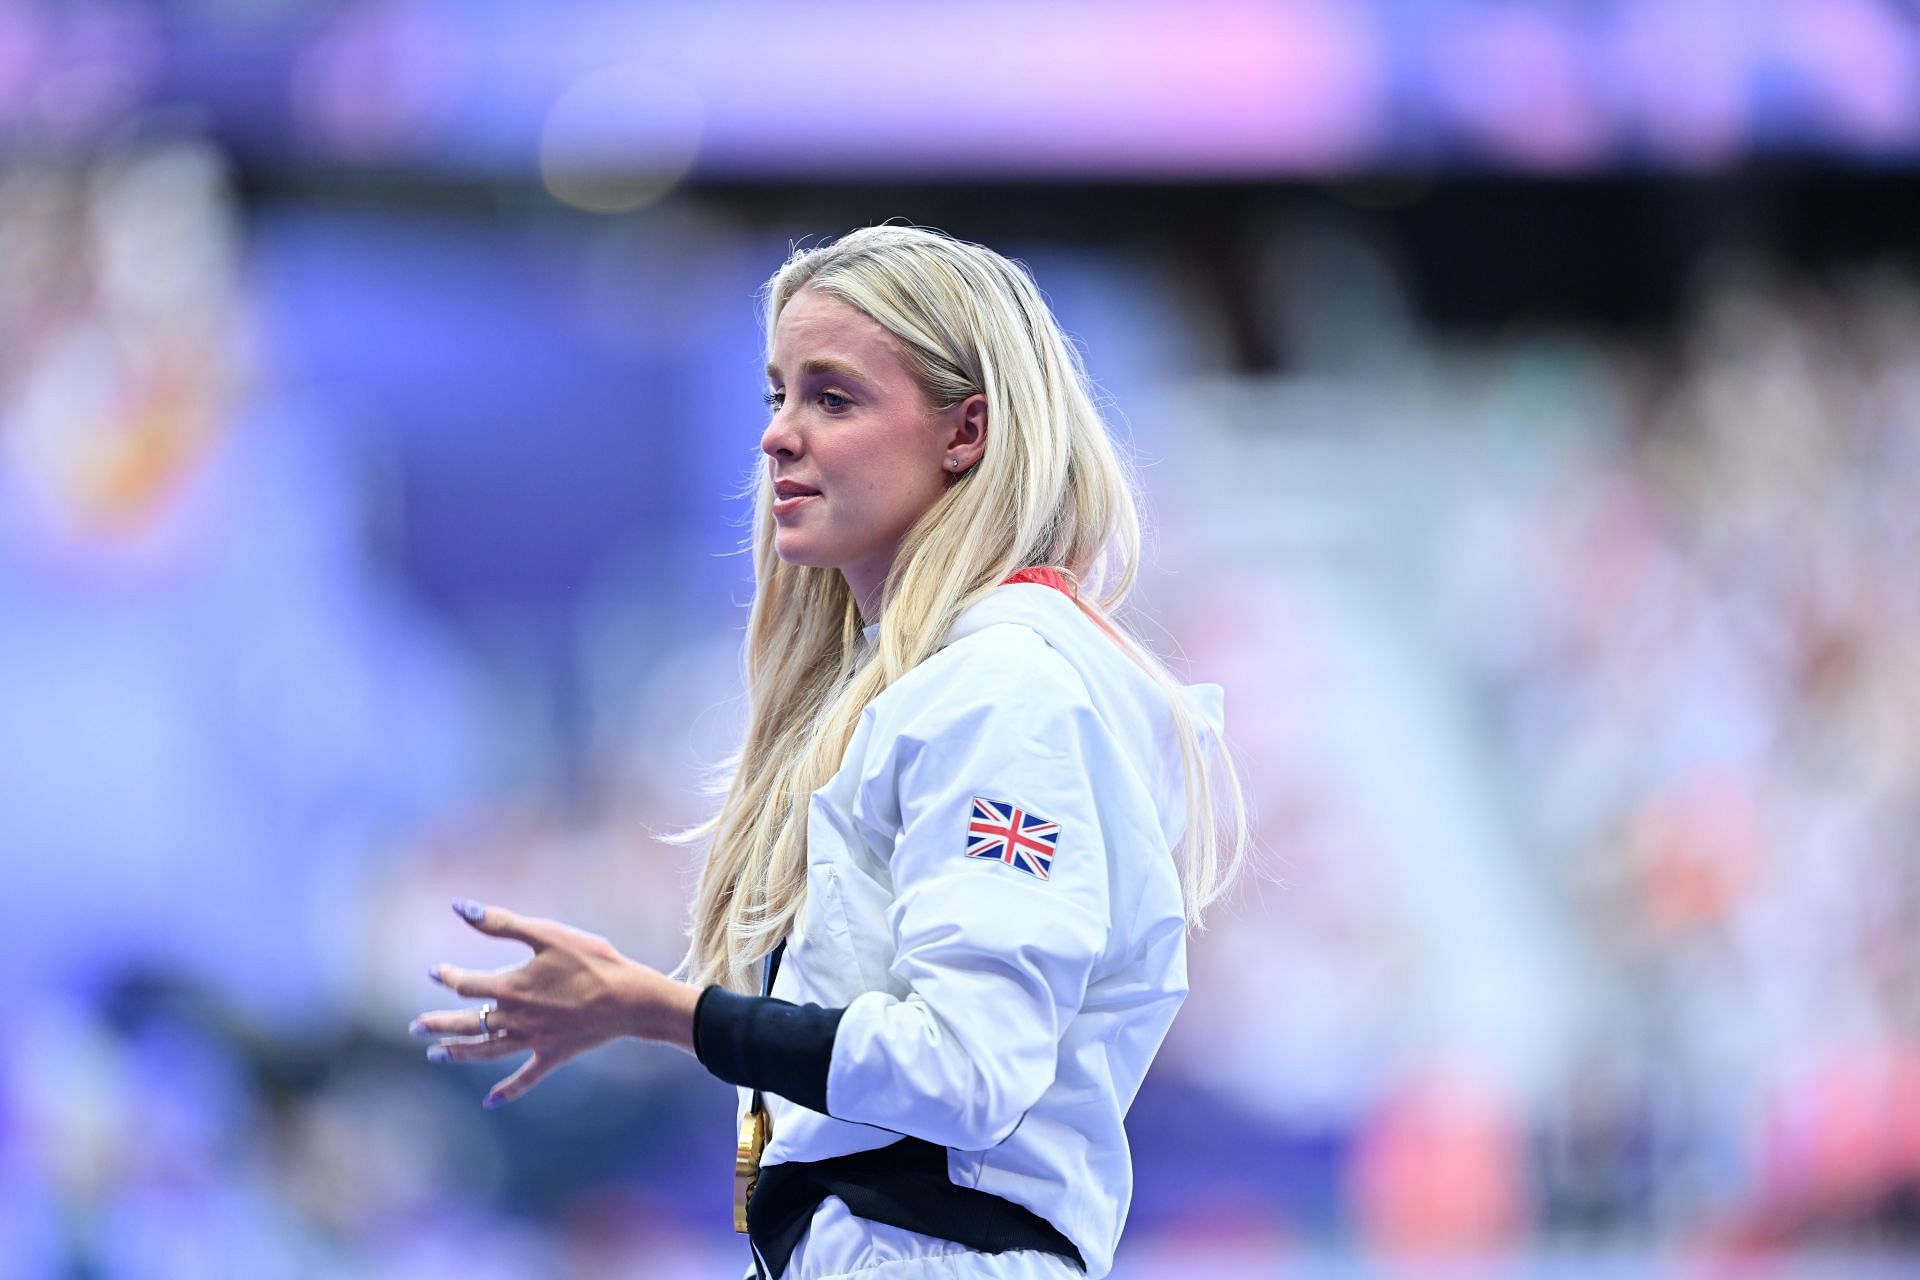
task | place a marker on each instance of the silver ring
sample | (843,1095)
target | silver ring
(485,1009)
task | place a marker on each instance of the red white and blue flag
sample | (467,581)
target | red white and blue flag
(1022,840)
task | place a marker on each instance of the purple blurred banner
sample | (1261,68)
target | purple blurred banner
(1226,88)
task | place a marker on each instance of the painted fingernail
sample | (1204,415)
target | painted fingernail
(418,1029)
(438,1054)
(470,909)
(433,971)
(492,1100)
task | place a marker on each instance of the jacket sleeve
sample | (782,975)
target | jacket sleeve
(1000,907)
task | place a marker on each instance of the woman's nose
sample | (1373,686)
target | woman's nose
(780,440)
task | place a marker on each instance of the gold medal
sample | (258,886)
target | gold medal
(755,1128)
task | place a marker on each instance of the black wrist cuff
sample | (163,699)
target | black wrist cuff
(759,1042)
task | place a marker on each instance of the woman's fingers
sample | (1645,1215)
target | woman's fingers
(498,1046)
(451,1022)
(469,983)
(531,1073)
(538,987)
(501,923)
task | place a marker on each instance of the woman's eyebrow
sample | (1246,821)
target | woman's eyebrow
(809,368)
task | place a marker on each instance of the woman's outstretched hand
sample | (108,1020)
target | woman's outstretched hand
(576,993)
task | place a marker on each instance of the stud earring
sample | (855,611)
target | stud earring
(954,463)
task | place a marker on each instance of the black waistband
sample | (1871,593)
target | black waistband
(903,1185)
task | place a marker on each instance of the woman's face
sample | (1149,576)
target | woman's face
(855,451)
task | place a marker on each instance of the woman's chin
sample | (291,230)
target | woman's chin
(796,549)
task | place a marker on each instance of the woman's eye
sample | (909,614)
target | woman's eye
(775,399)
(833,400)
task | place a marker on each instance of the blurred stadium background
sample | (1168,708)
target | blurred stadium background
(1528,399)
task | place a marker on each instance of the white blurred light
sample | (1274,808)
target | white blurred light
(620,138)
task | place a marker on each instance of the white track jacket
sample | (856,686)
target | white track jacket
(992,899)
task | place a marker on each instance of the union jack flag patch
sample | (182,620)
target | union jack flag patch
(1022,840)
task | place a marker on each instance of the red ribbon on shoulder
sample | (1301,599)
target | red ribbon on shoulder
(1045,577)
(1059,581)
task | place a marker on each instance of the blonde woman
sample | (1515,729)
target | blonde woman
(941,929)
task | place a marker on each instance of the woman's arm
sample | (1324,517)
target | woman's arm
(995,939)
(995,935)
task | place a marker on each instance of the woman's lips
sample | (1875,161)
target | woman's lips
(789,495)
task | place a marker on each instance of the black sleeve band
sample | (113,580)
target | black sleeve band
(759,1042)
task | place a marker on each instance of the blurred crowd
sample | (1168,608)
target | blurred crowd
(1682,577)
(1647,626)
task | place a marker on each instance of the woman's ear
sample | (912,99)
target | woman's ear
(966,434)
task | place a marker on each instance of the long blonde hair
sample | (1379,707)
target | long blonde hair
(1050,490)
